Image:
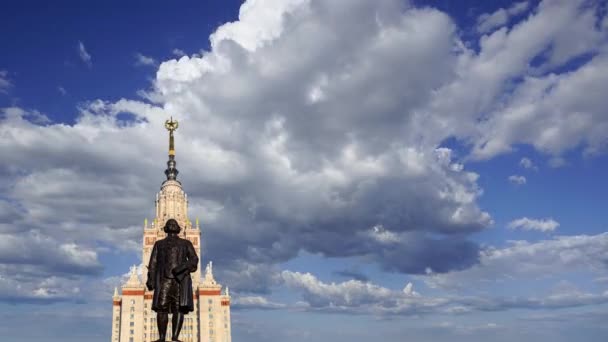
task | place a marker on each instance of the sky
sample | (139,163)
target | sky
(396,170)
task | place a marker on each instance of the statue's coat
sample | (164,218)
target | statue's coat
(173,257)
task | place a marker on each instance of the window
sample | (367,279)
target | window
(132,301)
(132,316)
(130,339)
(131,324)
(131,331)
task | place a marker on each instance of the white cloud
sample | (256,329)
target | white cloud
(523,260)
(259,22)
(34,248)
(357,297)
(488,22)
(408,290)
(340,128)
(527,163)
(351,293)
(314,173)
(84,55)
(178,52)
(62,90)
(543,225)
(5,83)
(255,302)
(547,110)
(144,60)
(382,235)
(513,91)
(517,179)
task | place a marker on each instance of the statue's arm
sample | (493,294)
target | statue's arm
(192,258)
(152,268)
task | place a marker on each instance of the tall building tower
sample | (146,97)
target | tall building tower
(132,317)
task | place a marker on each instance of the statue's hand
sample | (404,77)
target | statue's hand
(150,285)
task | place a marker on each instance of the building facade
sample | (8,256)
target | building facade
(132,317)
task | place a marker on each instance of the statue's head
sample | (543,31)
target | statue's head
(171,227)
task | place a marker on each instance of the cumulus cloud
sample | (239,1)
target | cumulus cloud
(352,293)
(346,158)
(543,225)
(255,302)
(17,286)
(246,277)
(517,179)
(84,55)
(307,124)
(141,60)
(523,260)
(487,22)
(355,297)
(513,91)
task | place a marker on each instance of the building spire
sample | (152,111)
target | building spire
(133,277)
(171,172)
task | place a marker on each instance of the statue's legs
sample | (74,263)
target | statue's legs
(178,321)
(168,301)
(162,320)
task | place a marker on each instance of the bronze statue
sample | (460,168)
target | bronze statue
(171,262)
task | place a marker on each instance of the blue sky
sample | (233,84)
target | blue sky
(430,170)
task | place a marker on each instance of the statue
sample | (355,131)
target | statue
(171,262)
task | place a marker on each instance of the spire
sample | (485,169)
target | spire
(116,292)
(133,278)
(171,172)
(209,280)
(209,269)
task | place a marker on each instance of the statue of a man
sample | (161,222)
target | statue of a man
(171,262)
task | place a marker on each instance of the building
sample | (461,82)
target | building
(132,317)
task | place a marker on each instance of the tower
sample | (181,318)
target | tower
(132,317)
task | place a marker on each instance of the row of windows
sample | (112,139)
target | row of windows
(185,327)
(186,319)
(186,336)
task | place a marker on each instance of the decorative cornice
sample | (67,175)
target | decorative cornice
(133,292)
(209,292)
